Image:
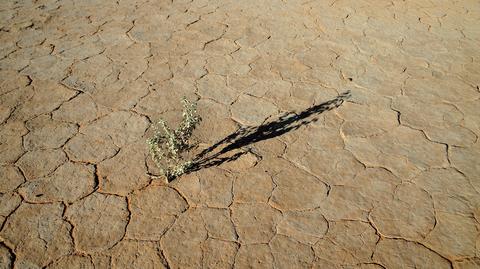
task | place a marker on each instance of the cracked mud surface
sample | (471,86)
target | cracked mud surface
(390,179)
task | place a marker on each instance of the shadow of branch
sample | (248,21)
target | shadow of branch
(249,135)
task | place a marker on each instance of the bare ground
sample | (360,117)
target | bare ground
(390,178)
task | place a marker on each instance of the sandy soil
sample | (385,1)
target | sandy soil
(389,178)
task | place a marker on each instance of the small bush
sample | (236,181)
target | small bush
(168,146)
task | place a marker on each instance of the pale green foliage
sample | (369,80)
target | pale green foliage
(167,145)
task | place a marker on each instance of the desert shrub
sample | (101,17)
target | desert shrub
(168,146)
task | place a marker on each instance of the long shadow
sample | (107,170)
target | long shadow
(249,135)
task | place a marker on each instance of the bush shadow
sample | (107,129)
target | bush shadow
(245,136)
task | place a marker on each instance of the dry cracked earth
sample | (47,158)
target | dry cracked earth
(389,179)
